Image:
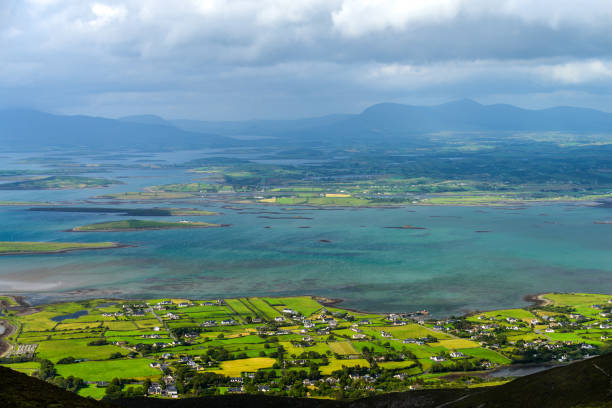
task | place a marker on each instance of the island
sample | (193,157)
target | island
(58,183)
(300,346)
(25,248)
(138,225)
(149,212)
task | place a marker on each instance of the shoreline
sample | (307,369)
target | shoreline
(534,300)
(537,299)
(9,329)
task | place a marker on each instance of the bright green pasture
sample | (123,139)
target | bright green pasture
(320,348)
(239,307)
(581,301)
(302,304)
(486,354)
(261,305)
(414,331)
(121,325)
(92,391)
(338,364)
(107,370)
(343,348)
(394,365)
(519,314)
(26,368)
(77,326)
(57,349)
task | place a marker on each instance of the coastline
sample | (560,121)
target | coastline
(537,299)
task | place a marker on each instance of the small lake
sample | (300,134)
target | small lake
(74,315)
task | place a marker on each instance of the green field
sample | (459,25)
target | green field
(486,340)
(343,348)
(107,370)
(56,349)
(338,364)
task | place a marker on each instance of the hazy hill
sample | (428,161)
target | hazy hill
(392,118)
(391,122)
(32,129)
(382,123)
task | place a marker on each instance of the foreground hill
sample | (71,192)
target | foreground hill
(583,384)
(18,390)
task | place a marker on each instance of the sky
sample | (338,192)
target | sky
(244,59)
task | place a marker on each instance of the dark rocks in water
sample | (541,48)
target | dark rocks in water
(326,241)
(407,227)
(267,226)
(304,226)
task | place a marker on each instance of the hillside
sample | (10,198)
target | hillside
(381,123)
(21,391)
(397,122)
(32,129)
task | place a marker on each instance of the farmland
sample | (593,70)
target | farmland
(244,344)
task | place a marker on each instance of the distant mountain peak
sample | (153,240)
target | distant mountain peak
(146,120)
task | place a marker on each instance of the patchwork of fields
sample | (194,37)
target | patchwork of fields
(265,341)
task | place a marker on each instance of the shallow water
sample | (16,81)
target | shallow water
(448,268)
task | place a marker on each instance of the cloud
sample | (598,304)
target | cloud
(580,72)
(360,17)
(105,14)
(274,58)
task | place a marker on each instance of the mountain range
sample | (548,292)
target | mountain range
(388,122)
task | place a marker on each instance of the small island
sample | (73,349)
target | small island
(58,183)
(138,225)
(27,248)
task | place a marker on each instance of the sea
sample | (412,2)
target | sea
(464,259)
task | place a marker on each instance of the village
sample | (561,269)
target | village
(297,346)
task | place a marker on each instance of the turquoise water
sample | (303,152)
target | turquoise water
(448,268)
